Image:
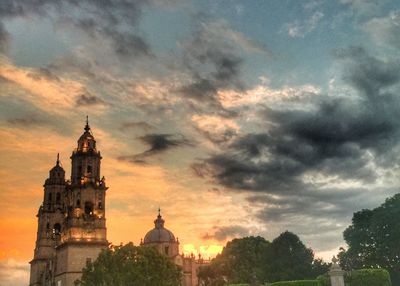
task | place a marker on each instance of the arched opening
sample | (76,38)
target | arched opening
(100,205)
(78,203)
(58,198)
(89,208)
(57,229)
(166,250)
(89,169)
(50,197)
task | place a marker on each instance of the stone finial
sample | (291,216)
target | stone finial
(335,260)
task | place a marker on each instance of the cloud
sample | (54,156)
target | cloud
(227,232)
(136,125)
(27,121)
(365,8)
(87,99)
(47,92)
(213,59)
(216,129)
(385,30)
(115,21)
(14,272)
(4,39)
(300,29)
(157,143)
(322,161)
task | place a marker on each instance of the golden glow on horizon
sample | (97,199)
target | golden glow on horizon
(206,251)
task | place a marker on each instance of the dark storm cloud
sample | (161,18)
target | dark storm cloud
(114,20)
(340,139)
(227,232)
(368,74)
(88,99)
(157,143)
(214,63)
(332,138)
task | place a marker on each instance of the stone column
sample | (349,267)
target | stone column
(336,273)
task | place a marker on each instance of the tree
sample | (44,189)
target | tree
(241,261)
(254,260)
(130,265)
(373,239)
(289,259)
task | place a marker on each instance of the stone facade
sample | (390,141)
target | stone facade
(166,243)
(71,220)
(72,225)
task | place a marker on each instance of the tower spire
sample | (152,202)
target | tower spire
(87,127)
(58,159)
(159,211)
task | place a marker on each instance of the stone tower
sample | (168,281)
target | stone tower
(72,225)
(50,221)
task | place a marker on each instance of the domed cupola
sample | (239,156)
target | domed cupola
(86,142)
(56,174)
(86,160)
(159,233)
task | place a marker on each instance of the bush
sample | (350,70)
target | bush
(297,283)
(324,280)
(370,277)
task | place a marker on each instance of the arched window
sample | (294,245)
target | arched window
(166,249)
(58,198)
(100,205)
(89,208)
(89,169)
(57,229)
(78,203)
(50,197)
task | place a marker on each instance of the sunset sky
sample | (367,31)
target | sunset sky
(235,117)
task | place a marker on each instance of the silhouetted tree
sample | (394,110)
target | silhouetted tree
(373,239)
(130,265)
(254,260)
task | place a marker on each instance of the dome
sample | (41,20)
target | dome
(87,142)
(159,233)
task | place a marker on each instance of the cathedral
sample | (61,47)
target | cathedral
(72,224)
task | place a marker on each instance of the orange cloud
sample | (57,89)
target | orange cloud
(50,93)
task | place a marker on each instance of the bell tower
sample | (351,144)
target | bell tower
(85,159)
(50,220)
(84,232)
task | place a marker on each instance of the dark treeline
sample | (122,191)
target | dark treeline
(255,260)
(373,239)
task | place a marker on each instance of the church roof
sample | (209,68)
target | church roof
(159,233)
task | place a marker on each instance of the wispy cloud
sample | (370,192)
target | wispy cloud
(302,28)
